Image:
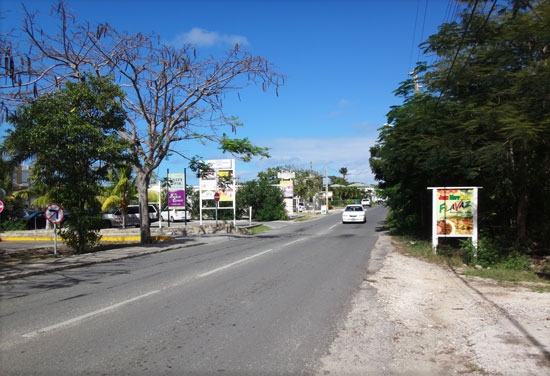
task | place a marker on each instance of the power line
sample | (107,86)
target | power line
(459,47)
(423,24)
(414,33)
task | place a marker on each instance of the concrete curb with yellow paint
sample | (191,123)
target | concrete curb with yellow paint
(103,238)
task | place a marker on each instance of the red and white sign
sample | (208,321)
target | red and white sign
(54,213)
(1,206)
(217,196)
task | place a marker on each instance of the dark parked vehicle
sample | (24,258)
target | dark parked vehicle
(35,220)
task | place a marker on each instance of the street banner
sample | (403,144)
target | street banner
(176,192)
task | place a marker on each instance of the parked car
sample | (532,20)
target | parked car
(35,220)
(366,202)
(175,215)
(354,213)
(153,212)
(301,207)
(113,218)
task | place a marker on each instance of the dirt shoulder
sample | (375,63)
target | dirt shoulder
(411,317)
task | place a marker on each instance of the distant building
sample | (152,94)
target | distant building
(21,178)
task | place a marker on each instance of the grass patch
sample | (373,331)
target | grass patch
(258,229)
(304,218)
(423,250)
(506,275)
(503,272)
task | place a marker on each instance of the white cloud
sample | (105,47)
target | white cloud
(345,102)
(205,38)
(350,152)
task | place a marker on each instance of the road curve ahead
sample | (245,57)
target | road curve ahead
(269,304)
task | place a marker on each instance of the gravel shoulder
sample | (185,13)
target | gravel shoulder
(411,317)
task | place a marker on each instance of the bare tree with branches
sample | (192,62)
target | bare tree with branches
(171,94)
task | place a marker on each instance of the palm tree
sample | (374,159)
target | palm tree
(344,172)
(121,190)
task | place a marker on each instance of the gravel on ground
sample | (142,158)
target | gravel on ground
(411,317)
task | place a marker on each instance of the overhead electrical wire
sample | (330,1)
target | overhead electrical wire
(459,47)
(414,34)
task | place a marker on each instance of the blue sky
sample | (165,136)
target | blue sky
(342,61)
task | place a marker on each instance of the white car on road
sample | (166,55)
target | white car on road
(366,202)
(354,213)
(175,215)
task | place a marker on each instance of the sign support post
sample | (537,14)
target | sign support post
(55,239)
(54,214)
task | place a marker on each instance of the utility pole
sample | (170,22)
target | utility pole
(416,85)
(326,187)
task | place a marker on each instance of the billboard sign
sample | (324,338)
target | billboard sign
(287,186)
(454,213)
(176,192)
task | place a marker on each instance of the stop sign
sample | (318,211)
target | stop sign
(1,206)
(216,196)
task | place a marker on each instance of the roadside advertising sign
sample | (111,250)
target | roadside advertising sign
(218,185)
(454,213)
(220,164)
(287,186)
(176,192)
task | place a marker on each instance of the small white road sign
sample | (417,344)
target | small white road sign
(54,213)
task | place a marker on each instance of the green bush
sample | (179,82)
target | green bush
(267,201)
(487,252)
(81,231)
(515,262)
(12,225)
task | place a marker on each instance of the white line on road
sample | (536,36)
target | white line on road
(233,263)
(292,242)
(87,315)
(333,226)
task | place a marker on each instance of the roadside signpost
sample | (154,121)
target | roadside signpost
(217,200)
(220,180)
(54,214)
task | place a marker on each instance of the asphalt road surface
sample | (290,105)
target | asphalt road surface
(269,304)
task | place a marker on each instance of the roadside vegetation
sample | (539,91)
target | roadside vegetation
(478,115)
(488,263)
(258,229)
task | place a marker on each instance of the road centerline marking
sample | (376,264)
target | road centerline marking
(294,241)
(233,264)
(87,315)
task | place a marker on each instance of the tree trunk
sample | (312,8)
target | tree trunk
(142,185)
(523,204)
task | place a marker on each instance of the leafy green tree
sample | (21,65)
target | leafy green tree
(71,137)
(482,119)
(174,94)
(267,200)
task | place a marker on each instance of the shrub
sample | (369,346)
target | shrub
(81,231)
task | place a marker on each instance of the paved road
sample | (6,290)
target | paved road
(269,304)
